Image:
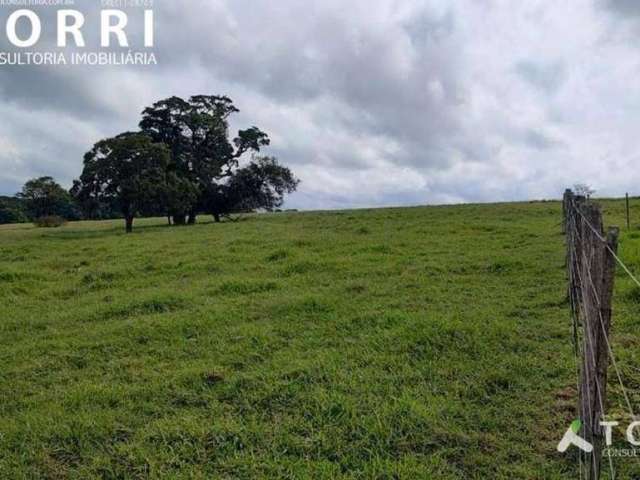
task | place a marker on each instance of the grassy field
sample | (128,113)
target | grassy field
(396,343)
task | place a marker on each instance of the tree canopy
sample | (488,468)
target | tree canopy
(261,185)
(130,171)
(182,162)
(43,197)
(196,131)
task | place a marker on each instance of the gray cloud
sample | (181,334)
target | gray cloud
(538,140)
(545,76)
(626,7)
(370,102)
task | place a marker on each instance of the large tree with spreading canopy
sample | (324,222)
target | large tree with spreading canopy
(196,131)
(183,162)
(128,171)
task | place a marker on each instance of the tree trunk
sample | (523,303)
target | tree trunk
(169,219)
(129,224)
(179,219)
(216,217)
(192,218)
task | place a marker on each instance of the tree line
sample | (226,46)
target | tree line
(180,163)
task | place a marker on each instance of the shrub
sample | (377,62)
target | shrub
(50,221)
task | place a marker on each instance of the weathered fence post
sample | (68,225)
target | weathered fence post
(574,251)
(591,269)
(628,213)
(566,208)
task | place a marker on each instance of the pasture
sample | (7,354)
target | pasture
(430,342)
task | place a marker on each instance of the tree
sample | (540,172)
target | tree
(196,132)
(12,210)
(200,166)
(583,190)
(129,170)
(43,197)
(260,185)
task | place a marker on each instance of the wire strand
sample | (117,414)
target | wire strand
(604,240)
(599,390)
(587,337)
(593,359)
(613,360)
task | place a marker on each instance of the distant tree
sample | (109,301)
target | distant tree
(196,132)
(129,170)
(12,211)
(44,197)
(583,190)
(261,185)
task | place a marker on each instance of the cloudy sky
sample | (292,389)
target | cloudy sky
(371,102)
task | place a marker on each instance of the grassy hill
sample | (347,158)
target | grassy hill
(395,343)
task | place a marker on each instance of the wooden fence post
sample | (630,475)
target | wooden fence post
(574,252)
(628,216)
(591,268)
(566,208)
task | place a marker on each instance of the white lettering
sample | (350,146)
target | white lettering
(630,438)
(148,28)
(74,29)
(608,429)
(107,29)
(36,28)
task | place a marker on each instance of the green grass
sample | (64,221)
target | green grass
(394,343)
